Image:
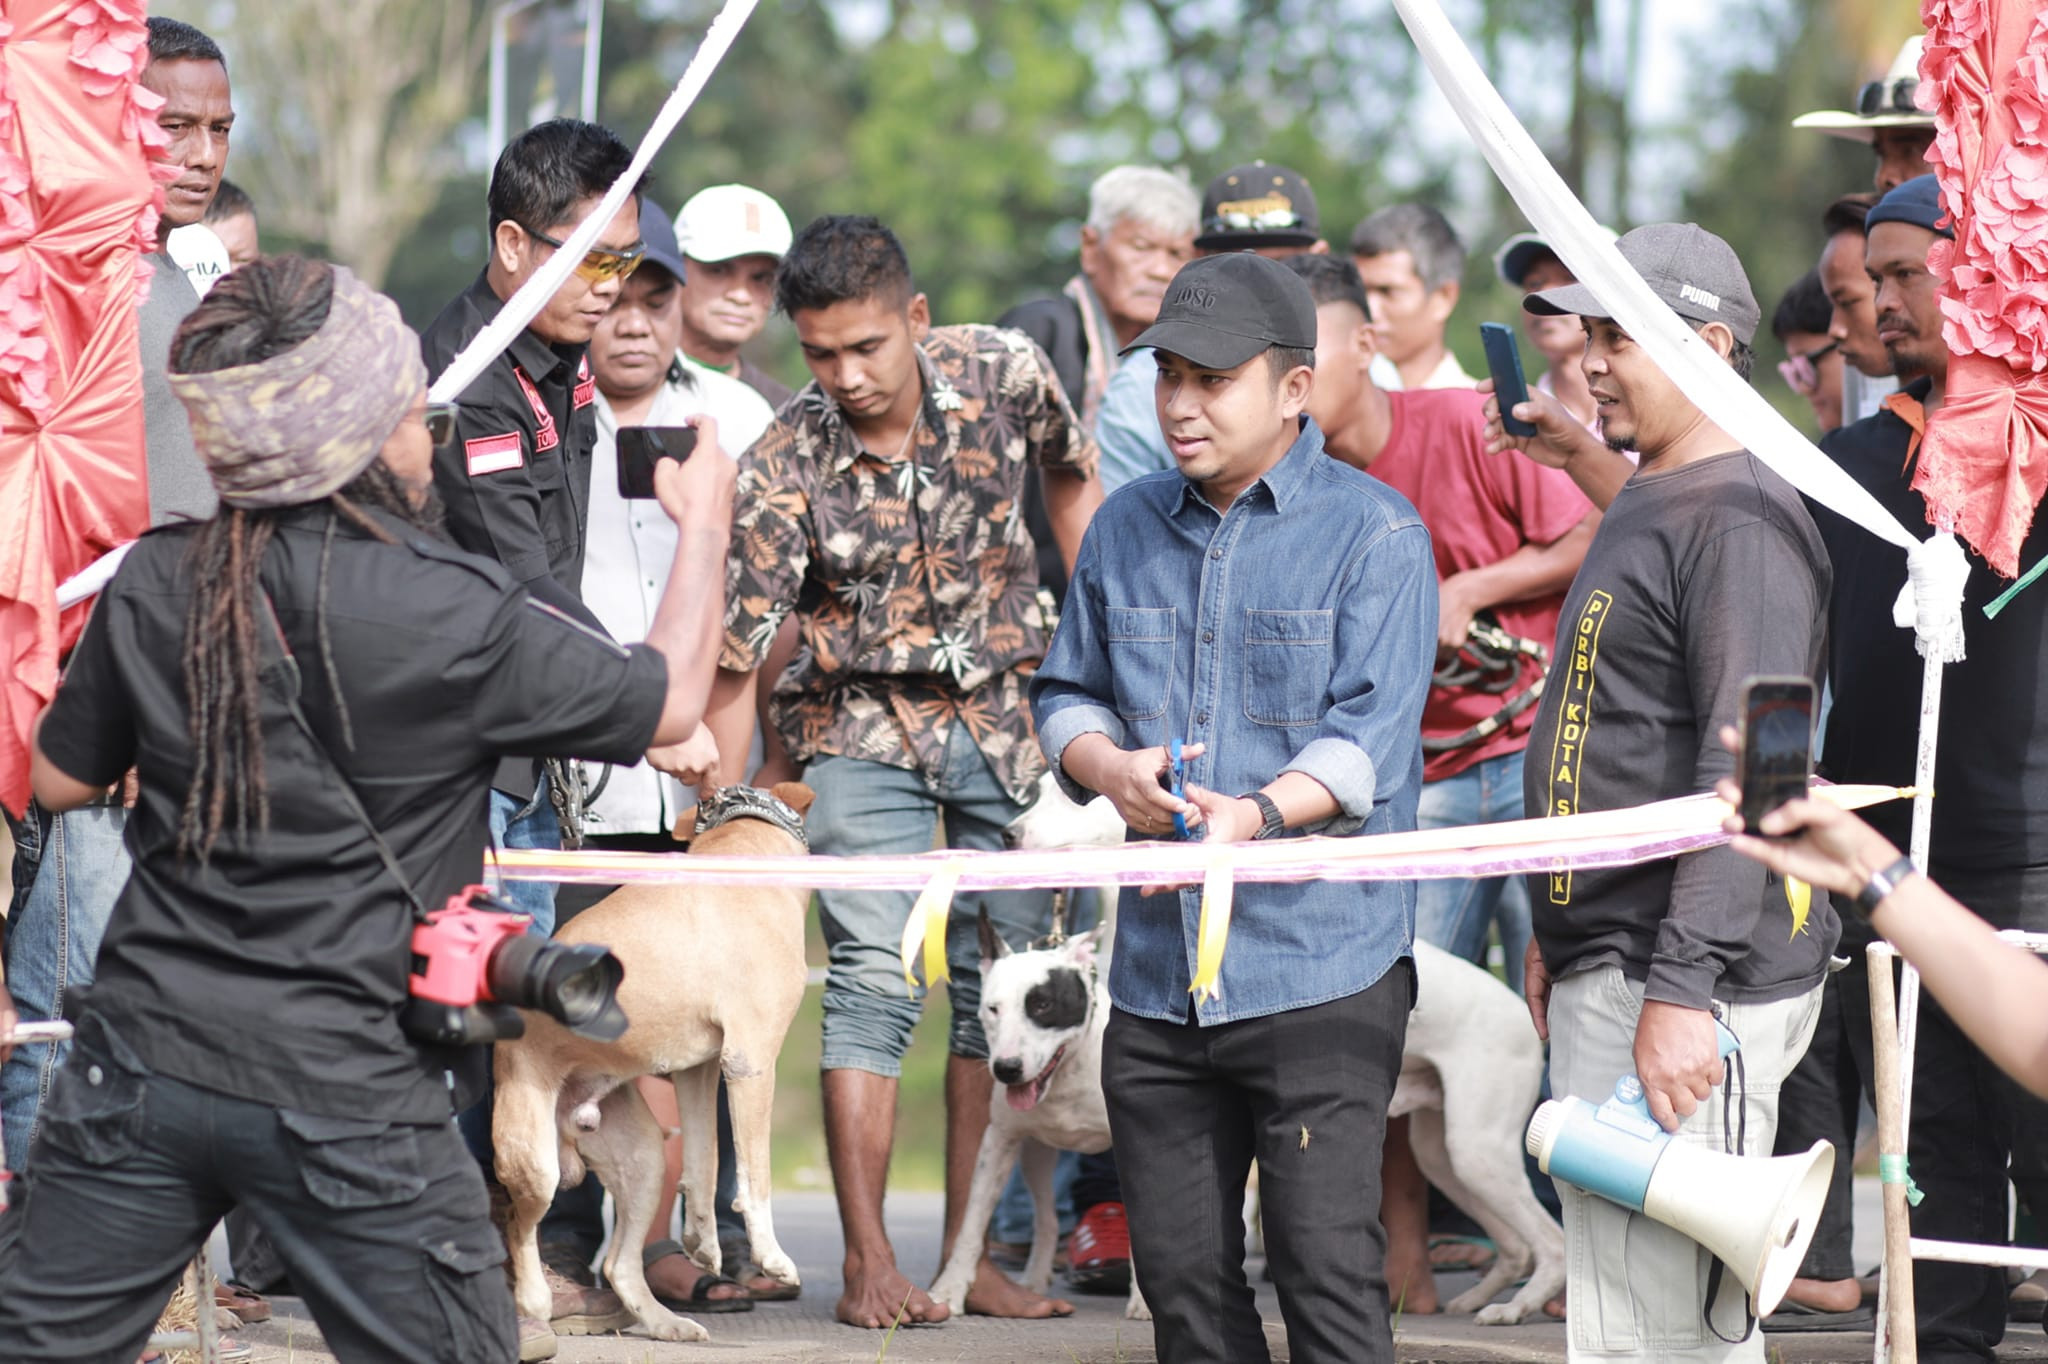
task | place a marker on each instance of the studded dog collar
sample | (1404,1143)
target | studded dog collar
(750,802)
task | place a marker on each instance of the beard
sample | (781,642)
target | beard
(1622,445)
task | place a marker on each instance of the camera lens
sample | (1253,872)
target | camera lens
(576,984)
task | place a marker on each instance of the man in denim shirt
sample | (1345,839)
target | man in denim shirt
(1276,611)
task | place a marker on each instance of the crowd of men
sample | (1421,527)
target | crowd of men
(960,557)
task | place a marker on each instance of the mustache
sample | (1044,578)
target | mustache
(1896,322)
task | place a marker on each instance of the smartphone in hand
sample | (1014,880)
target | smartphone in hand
(1774,760)
(642,447)
(1504,362)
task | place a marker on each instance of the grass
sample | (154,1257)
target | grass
(919,1163)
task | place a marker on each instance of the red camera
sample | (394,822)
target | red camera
(474,966)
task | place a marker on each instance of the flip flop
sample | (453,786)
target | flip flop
(699,1299)
(745,1271)
(1477,1264)
(1797,1316)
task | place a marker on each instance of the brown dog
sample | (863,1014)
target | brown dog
(714,975)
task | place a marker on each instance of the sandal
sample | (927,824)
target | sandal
(747,1273)
(1474,1253)
(252,1307)
(699,1299)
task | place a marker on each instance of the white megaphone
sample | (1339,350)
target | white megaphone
(1755,1213)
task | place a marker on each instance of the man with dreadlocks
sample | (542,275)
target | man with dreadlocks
(311,662)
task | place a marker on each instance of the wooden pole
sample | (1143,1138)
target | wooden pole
(1895,1288)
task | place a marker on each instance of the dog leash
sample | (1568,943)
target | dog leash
(1489,662)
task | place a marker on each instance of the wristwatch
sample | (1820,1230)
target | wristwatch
(1881,884)
(1274,824)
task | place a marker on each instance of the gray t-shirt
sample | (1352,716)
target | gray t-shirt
(180,489)
(1697,579)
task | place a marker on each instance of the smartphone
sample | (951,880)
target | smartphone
(642,447)
(1504,362)
(1775,758)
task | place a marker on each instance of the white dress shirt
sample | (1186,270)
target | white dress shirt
(630,547)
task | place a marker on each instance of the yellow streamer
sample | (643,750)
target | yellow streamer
(1218,886)
(927,926)
(1799,896)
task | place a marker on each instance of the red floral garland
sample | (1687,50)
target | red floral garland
(111,45)
(1984,76)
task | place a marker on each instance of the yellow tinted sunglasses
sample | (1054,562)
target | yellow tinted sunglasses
(598,263)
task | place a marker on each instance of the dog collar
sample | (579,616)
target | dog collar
(749,802)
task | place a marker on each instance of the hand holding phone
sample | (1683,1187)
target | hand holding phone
(1774,758)
(642,447)
(1504,363)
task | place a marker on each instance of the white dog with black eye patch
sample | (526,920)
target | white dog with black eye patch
(1043,1010)
(1471,1070)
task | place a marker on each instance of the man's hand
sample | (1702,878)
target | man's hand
(701,487)
(1536,989)
(1678,1059)
(1558,433)
(690,761)
(8,1018)
(1130,778)
(1455,607)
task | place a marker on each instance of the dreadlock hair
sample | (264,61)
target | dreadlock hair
(254,313)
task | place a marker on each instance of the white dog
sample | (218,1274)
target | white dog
(1471,1071)
(1043,1010)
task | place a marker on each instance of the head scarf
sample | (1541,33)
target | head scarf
(303,424)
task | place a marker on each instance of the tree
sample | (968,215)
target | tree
(356,109)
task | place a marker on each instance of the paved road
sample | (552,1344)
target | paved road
(803,1332)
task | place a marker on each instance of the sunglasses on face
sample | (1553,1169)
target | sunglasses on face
(440,421)
(1269,220)
(1801,373)
(599,263)
(1871,99)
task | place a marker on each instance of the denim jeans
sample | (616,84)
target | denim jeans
(51,949)
(538,829)
(869,807)
(1457,915)
(1636,1286)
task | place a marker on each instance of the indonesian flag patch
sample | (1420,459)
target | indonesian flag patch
(494,454)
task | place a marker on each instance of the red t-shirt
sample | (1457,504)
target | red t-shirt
(1479,509)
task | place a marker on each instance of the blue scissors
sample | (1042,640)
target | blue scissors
(1176,786)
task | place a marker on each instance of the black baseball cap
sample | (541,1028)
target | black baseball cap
(1917,201)
(1220,311)
(1248,207)
(659,239)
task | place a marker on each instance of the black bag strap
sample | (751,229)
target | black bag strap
(296,681)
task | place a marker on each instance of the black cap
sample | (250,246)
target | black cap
(1917,201)
(659,239)
(1258,205)
(1220,311)
(1694,272)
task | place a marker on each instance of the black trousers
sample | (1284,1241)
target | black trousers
(382,1226)
(1304,1093)
(1822,1098)
(1969,1121)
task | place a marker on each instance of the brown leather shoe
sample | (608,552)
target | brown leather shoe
(536,1341)
(579,1311)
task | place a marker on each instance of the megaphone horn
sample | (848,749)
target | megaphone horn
(1756,1214)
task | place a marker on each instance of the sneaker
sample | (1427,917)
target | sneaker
(580,1311)
(536,1341)
(1099,1252)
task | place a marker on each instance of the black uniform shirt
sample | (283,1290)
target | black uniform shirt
(276,971)
(516,480)
(1991,769)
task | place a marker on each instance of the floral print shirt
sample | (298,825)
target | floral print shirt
(912,574)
